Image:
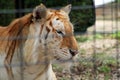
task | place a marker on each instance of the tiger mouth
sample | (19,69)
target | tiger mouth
(58,59)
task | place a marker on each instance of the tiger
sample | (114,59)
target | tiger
(30,44)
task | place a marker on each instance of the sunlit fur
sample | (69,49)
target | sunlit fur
(29,44)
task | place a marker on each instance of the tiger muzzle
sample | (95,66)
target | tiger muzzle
(73,52)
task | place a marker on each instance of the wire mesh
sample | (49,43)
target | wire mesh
(99,53)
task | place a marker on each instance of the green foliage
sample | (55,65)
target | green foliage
(82,18)
(57,68)
(82,51)
(118,1)
(98,36)
(107,77)
(6,5)
(104,69)
(89,38)
(81,39)
(116,35)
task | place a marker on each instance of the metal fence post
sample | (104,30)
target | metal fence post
(19,5)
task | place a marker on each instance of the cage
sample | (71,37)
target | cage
(96,29)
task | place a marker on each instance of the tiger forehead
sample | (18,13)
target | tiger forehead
(62,16)
(57,13)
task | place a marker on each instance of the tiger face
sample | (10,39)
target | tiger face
(56,33)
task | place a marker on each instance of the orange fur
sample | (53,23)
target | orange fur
(10,39)
(9,35)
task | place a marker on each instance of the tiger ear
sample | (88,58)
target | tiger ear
(40,12)
(67,8)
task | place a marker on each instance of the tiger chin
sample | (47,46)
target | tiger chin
(29,44)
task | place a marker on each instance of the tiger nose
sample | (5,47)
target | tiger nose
(73,52)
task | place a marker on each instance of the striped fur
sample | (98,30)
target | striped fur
(30,43)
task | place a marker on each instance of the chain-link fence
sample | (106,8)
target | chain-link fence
(97,32)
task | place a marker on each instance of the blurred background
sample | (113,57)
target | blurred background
(97,30)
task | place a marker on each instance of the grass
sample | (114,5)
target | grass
(57,67)
(83,38)
(104,69)
(89,38)
(116,35)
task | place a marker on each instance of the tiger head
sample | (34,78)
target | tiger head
(56,32)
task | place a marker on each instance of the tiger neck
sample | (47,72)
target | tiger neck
(46,74)
(49,74)
(36,55)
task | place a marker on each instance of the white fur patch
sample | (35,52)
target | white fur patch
(3,73)
(49,74)
(36,43)
(58,25)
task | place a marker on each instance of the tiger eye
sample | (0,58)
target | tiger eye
(60,32)
(57,18)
